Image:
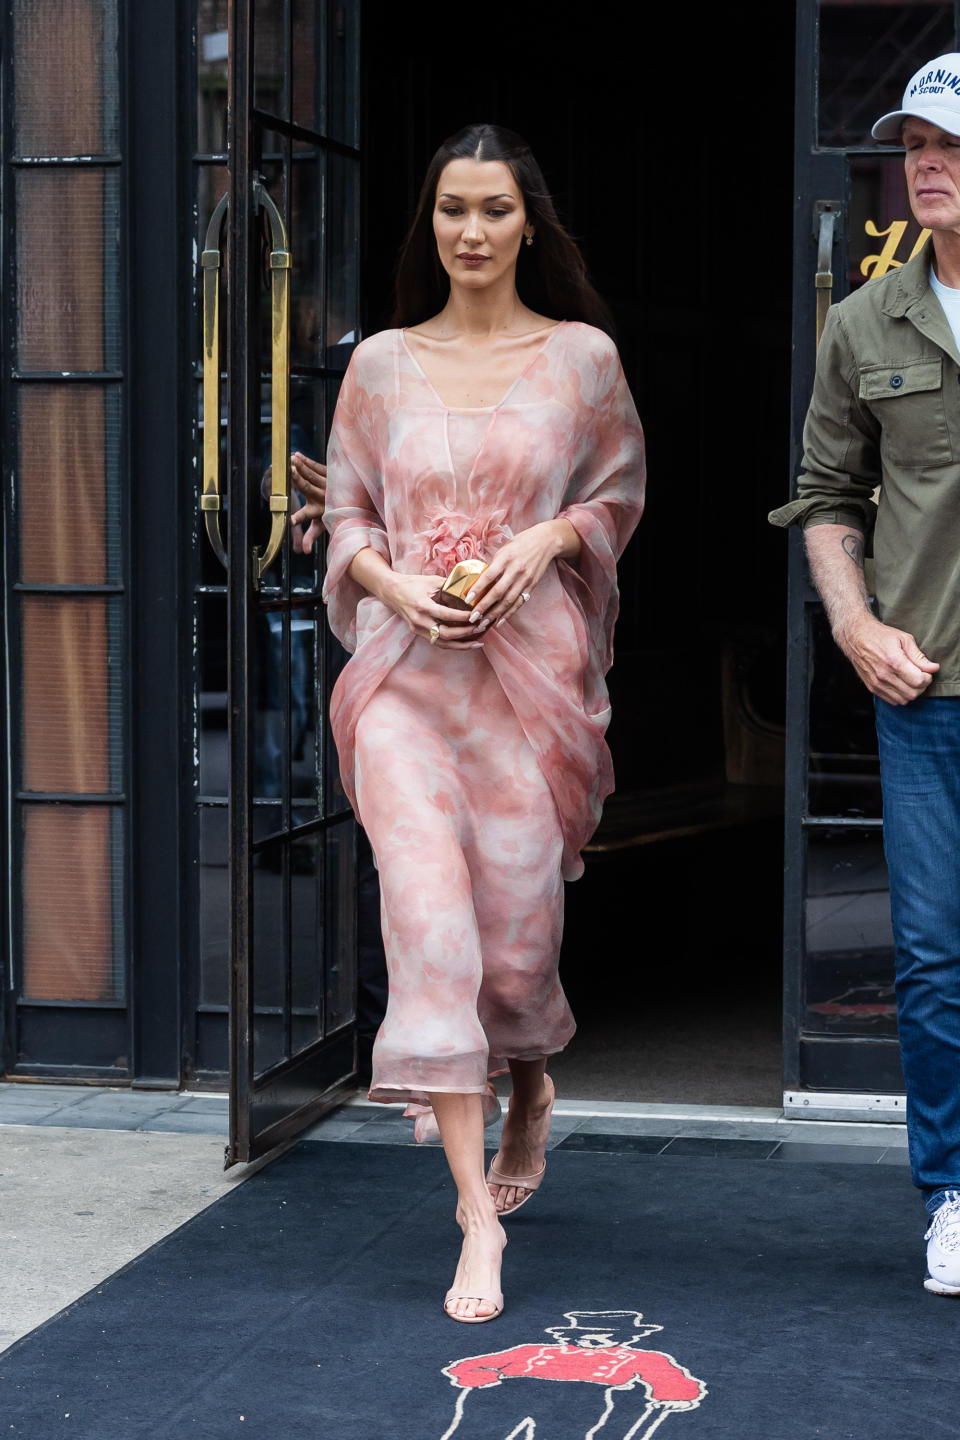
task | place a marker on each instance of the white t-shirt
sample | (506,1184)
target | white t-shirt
(950,300)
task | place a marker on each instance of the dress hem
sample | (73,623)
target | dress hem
(412,1095)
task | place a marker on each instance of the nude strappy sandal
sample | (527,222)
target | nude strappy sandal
(473,1319)
(529,1183)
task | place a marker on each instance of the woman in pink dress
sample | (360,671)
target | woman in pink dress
(493,423)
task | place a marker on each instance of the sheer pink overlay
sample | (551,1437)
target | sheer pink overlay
(479,775)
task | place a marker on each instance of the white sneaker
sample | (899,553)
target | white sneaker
(943,1248)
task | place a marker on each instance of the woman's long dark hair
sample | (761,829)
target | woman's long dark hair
(551,276)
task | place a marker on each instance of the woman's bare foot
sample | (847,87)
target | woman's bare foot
(475,1293)
(523,1146)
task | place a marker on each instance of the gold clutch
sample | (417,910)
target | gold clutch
(455,589)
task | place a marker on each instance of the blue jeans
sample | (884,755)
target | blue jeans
(920,774)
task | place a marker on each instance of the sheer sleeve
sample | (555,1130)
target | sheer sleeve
(605,492)
(353,515)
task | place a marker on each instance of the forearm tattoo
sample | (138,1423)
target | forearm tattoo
(853,546)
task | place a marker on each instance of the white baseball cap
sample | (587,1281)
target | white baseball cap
(932,94)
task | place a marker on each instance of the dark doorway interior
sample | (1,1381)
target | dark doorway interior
(673,166)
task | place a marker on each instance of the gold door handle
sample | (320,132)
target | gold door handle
(280,265)
(210,496)
(823,279)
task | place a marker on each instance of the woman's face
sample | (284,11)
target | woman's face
(479,221)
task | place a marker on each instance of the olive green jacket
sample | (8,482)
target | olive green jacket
(886,412)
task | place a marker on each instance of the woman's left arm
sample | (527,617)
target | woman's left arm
(518,566)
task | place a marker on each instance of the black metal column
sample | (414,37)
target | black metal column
(160,536)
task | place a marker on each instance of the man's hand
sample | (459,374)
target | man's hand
(310,478)
(888,661)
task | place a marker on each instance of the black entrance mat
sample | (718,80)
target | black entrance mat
(307,1304)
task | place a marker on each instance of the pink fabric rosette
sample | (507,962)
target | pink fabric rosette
(455,537)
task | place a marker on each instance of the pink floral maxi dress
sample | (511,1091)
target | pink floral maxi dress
(478,774)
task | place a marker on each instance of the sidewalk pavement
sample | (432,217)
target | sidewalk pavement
(90,1178)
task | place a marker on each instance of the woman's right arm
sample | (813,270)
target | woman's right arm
(410,597)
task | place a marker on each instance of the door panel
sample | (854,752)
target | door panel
(840,1011)
(283,846)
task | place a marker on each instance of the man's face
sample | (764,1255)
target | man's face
(932,162)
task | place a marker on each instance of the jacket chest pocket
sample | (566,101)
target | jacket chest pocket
(908,402)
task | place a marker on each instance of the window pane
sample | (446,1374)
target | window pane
(342,317)
(306,939)
(212,684)
(868,51)
(844,770)
(214,902)
(340,943)
(269,50)
(307,64)
(850,962)
(68,224)
(305,701)
(211,77)
(73,921)
(883,233)
(72,718)
(343,79)
(69,446)
(306,244)
(65,74)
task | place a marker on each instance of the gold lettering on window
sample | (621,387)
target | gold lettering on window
(874,265)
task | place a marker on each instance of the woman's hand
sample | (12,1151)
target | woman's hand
(410,596)
(517,567)
(310,478)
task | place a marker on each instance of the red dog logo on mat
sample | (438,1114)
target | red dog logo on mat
(618,1392)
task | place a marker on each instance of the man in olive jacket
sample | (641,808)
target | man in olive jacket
(885,413)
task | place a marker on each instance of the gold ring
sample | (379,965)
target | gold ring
(434,634)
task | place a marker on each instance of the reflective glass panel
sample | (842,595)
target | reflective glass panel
(66,77)
(850,962)
(214,906)
(212,39)
(306,939)
(213,776)
(340,941)
(307,63)
(304,704)
(342,318)
(269,686)
(334,796)
(69,444)
(72,706)
(269,57)
(868,51)
(269,953)
(68,258)
(306,243)
(882,233)
(72,902)
(844,768)
(341,120)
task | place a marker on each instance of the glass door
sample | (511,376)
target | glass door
(852,223)
(279,281)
